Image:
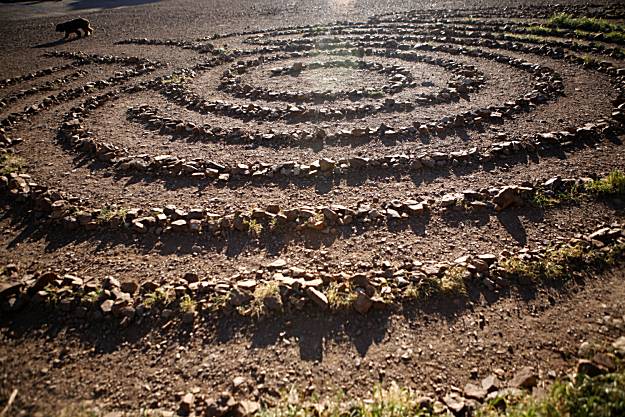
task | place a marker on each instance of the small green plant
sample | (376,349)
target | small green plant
(589,60)
(375,93)
(556,264)
(541,30)
(10,163)
(540,199)
(584,396)
(411,292)
(616,37)
(91,297)
(159,297)
(340,296)
(612,185)
(175,79)
(452,282)
(53,294)
(254,227)
(78,410)
(390,402)
(108,213)
(187,304)
(273,224)
(528,38)
(591,24)
(427,287)
(262,292)
(218,301)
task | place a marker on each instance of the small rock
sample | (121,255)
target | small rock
(474,392)
(619,346)
(318,297)
(186,404)
(44,280)
(363,303)
(244,408)
(605,360)
(509,196)
(107,306)
(454,402)
(278,263)
(525,378)
(587,367)
(129,287)
(238,382)
(491,383)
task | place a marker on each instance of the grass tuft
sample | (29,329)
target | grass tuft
(10,163)
(391,402)
(254,227)
(590,24)
(108,213)
(560,263)
(603,395)
(258,305)
(187,304)
(452,282)
(612,185)
(159,297)
(340,296)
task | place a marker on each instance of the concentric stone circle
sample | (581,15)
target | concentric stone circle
(337,118)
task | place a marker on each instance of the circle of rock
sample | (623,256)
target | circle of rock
(72,132)
(400,79)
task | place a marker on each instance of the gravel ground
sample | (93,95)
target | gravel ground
(57,360)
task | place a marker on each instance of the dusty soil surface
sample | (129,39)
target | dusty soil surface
(57,358)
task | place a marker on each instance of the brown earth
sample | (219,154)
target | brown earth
(54,359)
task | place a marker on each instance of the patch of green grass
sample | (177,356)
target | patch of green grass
(529,38)
(187,304)
(91,297)
(340,296)
(540,199)
(452,282)
(541,30)
(10,163)
(375,93)
(258,305)
(612,185)
(175,79)
(574,194)
(254,227)
(560,263)
(426,288)
(603,395)
(78,410)
(591,24)
(616,37)
(107,214)
(218,301)
(159,297)
(391,402)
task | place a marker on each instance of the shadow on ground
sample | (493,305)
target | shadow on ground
(57,42)
(310,327)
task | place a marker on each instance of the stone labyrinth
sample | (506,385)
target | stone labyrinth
(437,96)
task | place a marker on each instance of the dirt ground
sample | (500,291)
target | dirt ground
(56,359)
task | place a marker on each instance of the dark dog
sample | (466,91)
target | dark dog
(73,26)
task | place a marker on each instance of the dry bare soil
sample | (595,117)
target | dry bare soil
(222,201)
